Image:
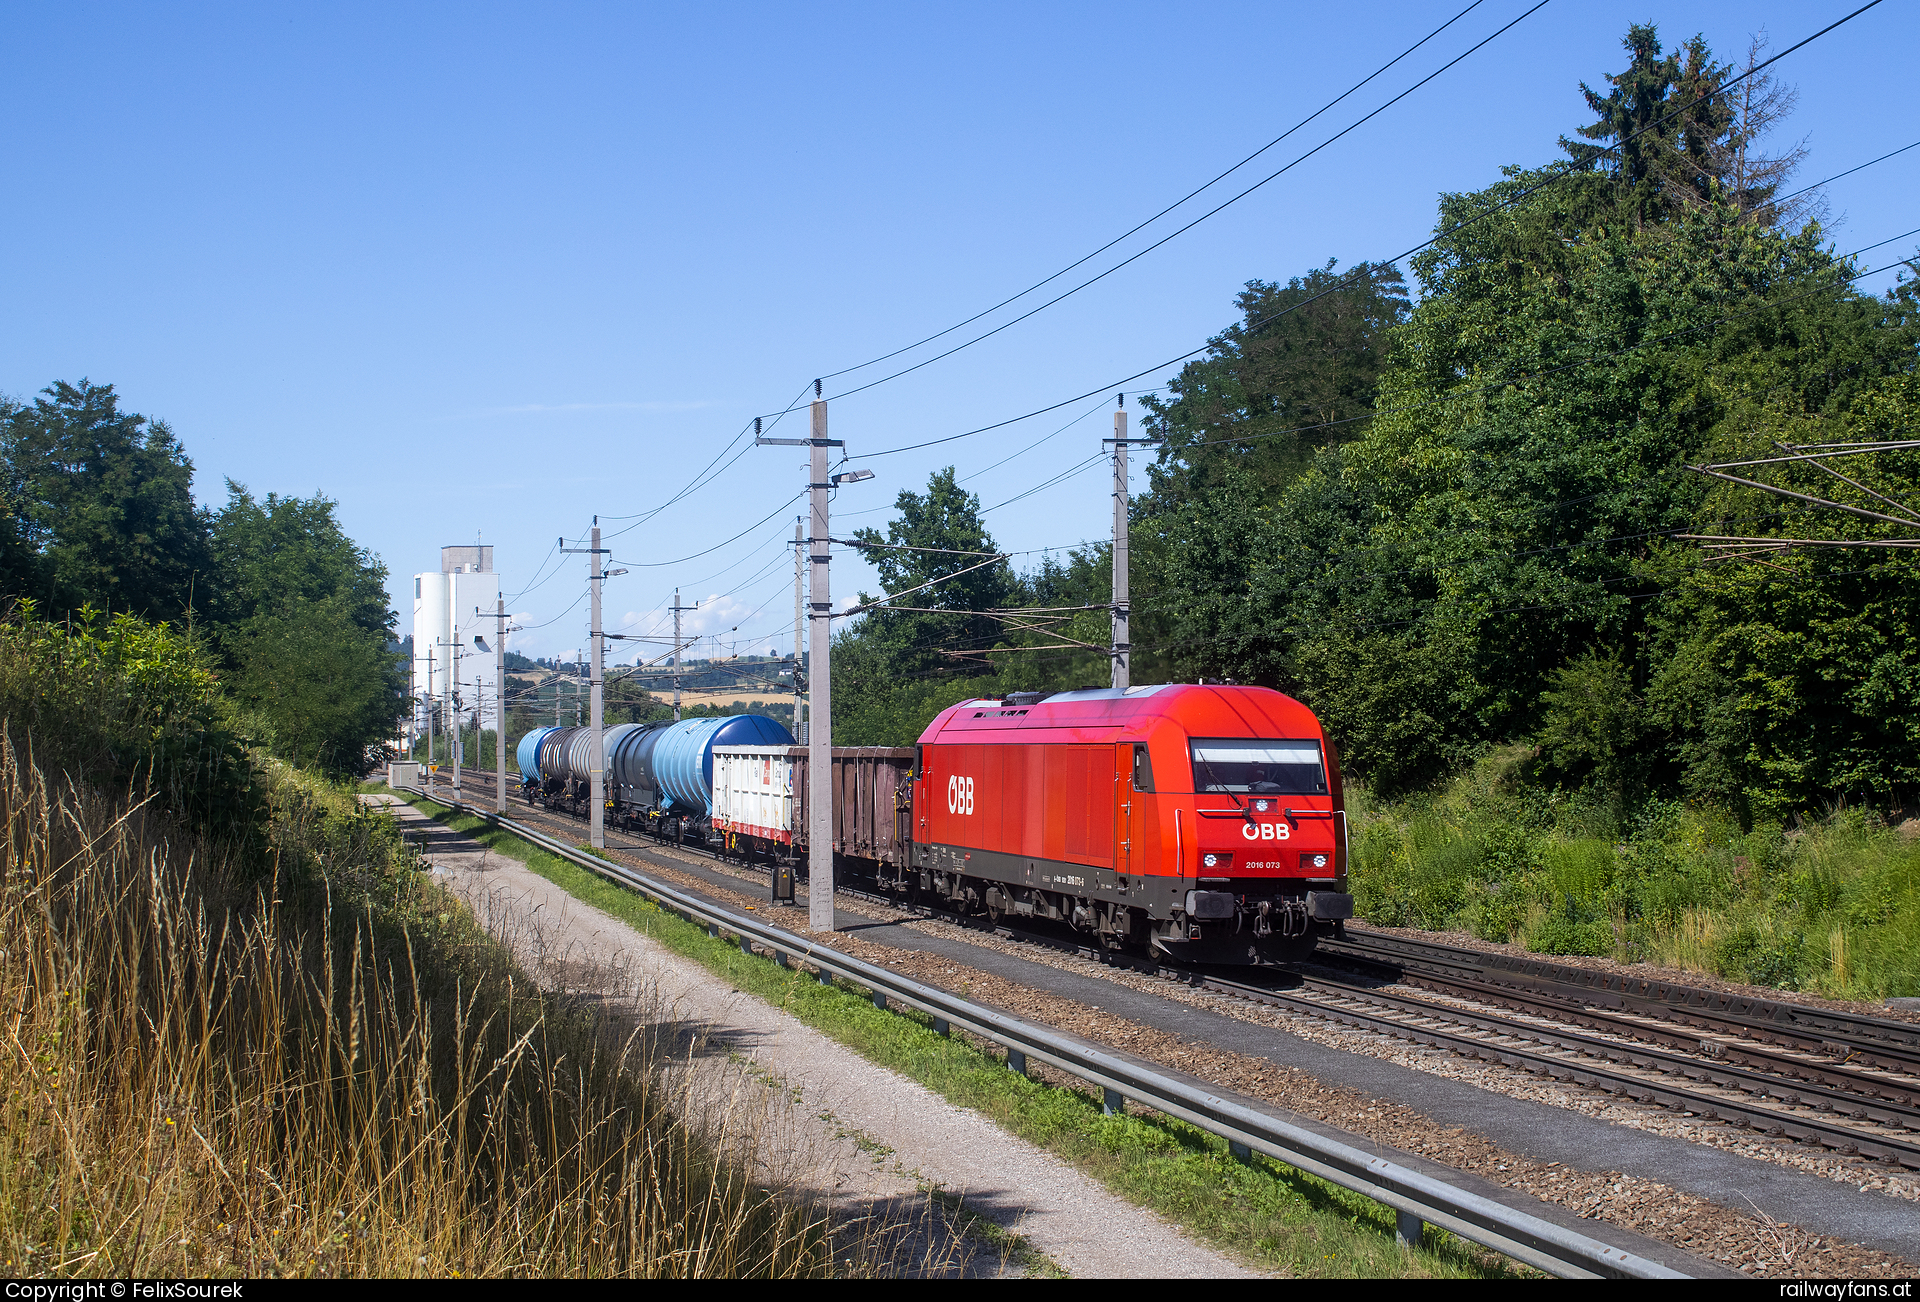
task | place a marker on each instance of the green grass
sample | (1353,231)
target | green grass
(1830,906)
(1277,1218)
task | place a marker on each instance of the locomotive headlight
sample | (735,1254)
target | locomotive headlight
(1261,805)
(1316,861)
(1211,861)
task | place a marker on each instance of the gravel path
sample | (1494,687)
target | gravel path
(873,1142)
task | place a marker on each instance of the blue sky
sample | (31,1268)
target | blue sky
(495,269)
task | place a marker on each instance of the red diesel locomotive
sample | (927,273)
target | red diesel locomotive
(1206,823)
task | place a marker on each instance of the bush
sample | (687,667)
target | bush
(1561,934)
(1501,910)
(1832,905)
(1754,953)
(133,705)
(1592,724)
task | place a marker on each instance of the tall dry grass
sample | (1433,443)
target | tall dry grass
(328,1070)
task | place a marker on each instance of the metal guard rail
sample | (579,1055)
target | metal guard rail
(1519,1235)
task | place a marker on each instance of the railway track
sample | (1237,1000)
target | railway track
(1847,1122)
(1624,1000)
(1842,1081)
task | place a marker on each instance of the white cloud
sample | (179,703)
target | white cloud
(719,613)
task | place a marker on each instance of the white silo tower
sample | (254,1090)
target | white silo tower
(450,607)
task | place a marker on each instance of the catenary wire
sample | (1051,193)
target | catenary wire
(1132,258)
(874,361)
(1563,171)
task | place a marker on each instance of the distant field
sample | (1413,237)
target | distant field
(724,698)
(688,695)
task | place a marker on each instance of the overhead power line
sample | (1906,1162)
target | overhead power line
(710,473)
(1093,280)
(1102,389)
(1849,172)
(1561,172)
(1455,395)
(958,325)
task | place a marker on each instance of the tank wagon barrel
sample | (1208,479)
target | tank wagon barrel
(527,757)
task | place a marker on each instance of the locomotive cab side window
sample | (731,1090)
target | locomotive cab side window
(1259,766)
(1142,768)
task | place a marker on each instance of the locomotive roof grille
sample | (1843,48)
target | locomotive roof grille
(1025,699)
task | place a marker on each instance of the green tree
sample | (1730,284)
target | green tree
(21,572)
(1788,682)
(1678,140)
(328,692)
(1296,373)
(1593,724)
(1577,346)
(104,499)
(300,613)
(936,538)
(1666,122)
(270,551)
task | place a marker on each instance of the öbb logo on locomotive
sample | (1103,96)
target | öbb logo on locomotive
(1146,818)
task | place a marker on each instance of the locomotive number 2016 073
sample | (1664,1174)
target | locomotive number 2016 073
(959,795)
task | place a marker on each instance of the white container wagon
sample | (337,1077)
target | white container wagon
(753,792)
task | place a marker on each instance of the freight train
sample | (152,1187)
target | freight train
(1202,823)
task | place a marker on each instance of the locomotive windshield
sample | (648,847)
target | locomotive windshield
(1259,767)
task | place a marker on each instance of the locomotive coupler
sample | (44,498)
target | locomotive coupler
(1286,917)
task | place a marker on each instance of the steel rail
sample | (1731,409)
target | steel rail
(1520,1235)
(1823,1079)
(1705,1071)
(1887,1043)
(1840,1138)
(1572,1007)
